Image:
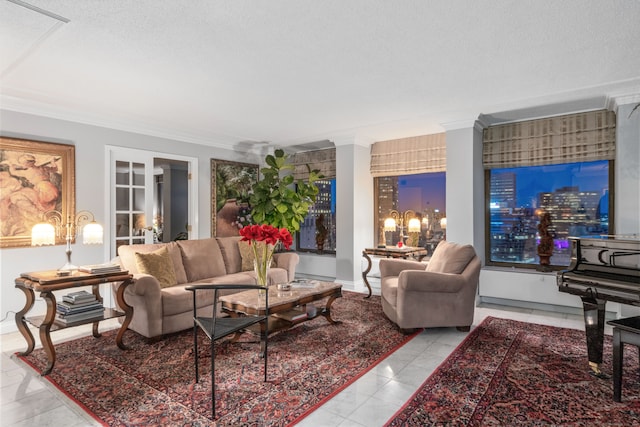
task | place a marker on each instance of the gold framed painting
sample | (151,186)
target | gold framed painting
(35,177)
(231,186)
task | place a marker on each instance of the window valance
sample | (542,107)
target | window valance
(580,137)
(406,156)
(323,160)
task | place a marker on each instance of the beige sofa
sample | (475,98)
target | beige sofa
(162,308)
(438,294)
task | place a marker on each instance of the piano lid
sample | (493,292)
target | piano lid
(613,251)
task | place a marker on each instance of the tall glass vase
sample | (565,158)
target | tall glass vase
(261,268)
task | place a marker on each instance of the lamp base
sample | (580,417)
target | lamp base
(67,269)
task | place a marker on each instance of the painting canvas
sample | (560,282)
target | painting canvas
(35,177)
(231,186)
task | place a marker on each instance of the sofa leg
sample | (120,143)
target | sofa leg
(154,340)
(409,331)
(463,328)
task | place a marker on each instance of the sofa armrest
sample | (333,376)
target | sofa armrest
(145,285)
(428,281)
(288,261)
(144,288)
(393,267)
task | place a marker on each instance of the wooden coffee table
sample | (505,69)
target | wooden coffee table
(286,308)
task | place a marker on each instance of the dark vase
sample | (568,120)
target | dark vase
(545,262)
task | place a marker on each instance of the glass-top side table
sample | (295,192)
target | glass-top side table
(390,252)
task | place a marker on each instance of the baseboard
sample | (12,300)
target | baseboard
(536,306)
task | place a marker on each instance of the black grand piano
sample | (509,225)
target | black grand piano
(602,269)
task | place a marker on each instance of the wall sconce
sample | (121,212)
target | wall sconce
(398,219)
(45,233)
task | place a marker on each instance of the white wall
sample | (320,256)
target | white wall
(89,142)
(354,211)
(627,174)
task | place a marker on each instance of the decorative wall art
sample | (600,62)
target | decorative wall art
(231,185)
(35,177)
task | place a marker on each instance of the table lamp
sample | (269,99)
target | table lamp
(45,233)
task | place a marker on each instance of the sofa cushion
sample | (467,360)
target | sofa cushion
(230,253)
(176,300)
(450,258)
(128,260)
(159,265)
(247,255)
(202,258)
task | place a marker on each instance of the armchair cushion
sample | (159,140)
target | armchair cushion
(158,264)
(450,258)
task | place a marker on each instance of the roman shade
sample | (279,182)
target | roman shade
(580,137)
(323,160)
(407,156)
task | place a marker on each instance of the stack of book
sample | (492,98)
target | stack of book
(100,268)
(79,306)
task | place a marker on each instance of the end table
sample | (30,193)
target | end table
(46,282)
(390,252)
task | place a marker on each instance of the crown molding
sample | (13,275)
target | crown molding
(616,101)
(21,105)
(459,124)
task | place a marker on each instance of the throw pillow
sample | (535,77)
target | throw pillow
(246,253)
(158,264)
(450,258)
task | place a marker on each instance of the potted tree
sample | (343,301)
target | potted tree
(276,201)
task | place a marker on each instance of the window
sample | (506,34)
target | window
(422,193)
(577,195)
(320,219)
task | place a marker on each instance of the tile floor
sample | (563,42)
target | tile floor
(28,400)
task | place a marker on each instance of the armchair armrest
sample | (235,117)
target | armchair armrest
(428,281)
(393,267)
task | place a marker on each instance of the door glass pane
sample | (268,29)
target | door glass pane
(139,225)
(122,173)
(138,174)
(122,199)
(138,199)
(122,225)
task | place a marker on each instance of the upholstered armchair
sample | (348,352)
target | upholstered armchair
(440,293)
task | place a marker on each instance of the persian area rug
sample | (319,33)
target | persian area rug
(154,383)
(513,373)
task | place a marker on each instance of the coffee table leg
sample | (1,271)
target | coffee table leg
(326,311)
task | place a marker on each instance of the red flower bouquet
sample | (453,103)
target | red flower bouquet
(271,236)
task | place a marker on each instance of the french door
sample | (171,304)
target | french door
(132,219)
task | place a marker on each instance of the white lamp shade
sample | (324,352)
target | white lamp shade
(43,234)
(443,223)
(92,234)
(389,224)
(414,225)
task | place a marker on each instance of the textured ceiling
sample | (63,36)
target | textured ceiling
(296,71)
